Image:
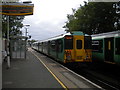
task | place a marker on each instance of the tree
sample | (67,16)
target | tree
(30,42)
(94,17)
(15,23)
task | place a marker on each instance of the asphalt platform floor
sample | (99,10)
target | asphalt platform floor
(27,73)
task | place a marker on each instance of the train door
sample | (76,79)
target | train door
(78,48)
(117,50)
(109,49)
(57,48)
(48,47)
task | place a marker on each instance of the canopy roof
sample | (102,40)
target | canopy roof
(16,9)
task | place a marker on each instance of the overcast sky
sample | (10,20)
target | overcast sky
(49,17)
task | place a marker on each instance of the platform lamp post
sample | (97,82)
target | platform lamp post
(26,27)
(8,41)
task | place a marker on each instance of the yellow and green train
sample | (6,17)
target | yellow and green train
(69,47)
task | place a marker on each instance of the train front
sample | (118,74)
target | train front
(77,48)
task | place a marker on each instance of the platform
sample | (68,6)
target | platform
(29,73)
(39,71)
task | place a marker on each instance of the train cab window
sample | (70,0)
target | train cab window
(79,44)
(87,42)
(68,42)
(117,46)
(97,46)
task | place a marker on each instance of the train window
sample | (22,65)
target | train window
(117,46)
(52,45)
(87,42)
(68,42)
(97,46)
(79,44)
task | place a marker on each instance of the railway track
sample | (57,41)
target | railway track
(107,80)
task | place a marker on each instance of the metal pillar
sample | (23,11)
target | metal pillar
(25,42)
(0,41)
(0,54)
(0,48)
(8,46)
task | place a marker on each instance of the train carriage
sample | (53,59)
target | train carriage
(106,47)
(70,47)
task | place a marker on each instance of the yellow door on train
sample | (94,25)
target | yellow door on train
(78,48)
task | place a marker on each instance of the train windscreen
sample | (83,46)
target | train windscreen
(68,42)
(87,42)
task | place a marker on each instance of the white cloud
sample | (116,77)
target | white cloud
(49,17)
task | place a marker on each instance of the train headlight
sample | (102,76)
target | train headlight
(68,58)
(87,57)
(68,55)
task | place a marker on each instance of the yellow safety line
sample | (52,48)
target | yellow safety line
(52,73)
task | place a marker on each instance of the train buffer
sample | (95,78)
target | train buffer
(39,71)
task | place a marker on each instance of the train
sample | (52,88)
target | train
(66,48)
(106,47)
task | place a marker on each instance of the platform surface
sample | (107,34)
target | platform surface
(39,71)
(29,73)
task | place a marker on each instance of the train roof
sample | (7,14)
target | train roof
(63,35)
(106,35)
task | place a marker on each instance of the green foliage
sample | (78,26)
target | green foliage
(15,23)
(94,17)
(32,41)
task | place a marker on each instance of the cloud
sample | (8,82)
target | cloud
(44,30)
(49,17)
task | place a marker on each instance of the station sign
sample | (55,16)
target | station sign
(16,9)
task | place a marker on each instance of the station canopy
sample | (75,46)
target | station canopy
(16,9)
